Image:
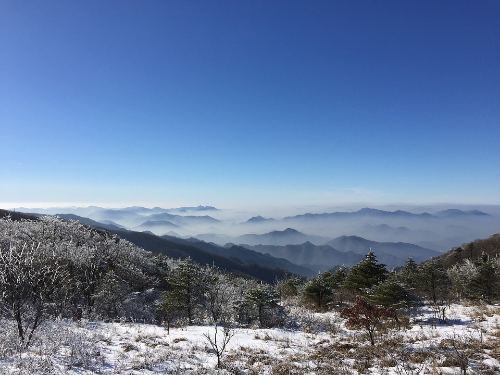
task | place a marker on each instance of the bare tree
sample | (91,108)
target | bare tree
(219,343)
(30,274)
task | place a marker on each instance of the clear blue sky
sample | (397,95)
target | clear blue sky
(231,103)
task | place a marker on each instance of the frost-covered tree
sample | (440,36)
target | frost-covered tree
(220,294)
(49,266)
(30,275)
(262,304)
(485,282)
(460,275)
(409,274)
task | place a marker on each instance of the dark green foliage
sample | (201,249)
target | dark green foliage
(187,287)
(289,287)
(485,282)
(261,304)
(391,293)
(170,309)
(409,274)
(365,275)
(339,275)
(434,282)
(320,290)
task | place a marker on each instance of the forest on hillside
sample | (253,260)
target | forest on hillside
(54,271)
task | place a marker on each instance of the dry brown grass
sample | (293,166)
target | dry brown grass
(179,339)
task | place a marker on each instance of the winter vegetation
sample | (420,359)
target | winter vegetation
(80,300)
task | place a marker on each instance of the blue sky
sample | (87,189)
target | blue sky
(240,103)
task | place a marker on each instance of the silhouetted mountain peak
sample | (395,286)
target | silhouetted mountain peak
(457,212)
(157,223)
(258,219)
(286,231)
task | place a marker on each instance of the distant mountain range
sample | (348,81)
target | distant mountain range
(347,250)
(318,258)
(245,255)
(289,236)
(238,260)
(438,231)
(392,235)
(303,259)
(400,250)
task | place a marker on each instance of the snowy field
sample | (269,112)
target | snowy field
(469,343)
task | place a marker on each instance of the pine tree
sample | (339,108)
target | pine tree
(170,308)
(260,303)
(485,283)
(187,287)
(409,275)
(319,290)
(339,275)
(365,275)
(390,293)
(434,281)
(289,287)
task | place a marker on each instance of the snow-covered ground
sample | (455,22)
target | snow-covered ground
(470,340)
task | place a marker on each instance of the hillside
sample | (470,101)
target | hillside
(346,250)
(317,257)
(244,255)
(289,236)
(399,250)
(264,269)
(158,245)
(17,215)
(473,251)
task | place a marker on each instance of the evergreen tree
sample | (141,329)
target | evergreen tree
(170,309)
(339,275)
(187,287)
(409,274)
(261,303)
(485,282)
(390,293)
(434,281)
(289,287)
(319,290)
(365,275)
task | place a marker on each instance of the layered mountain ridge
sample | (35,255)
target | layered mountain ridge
(302,243)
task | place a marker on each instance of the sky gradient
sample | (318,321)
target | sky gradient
(240,103)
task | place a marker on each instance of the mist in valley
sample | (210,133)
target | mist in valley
(437,227)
